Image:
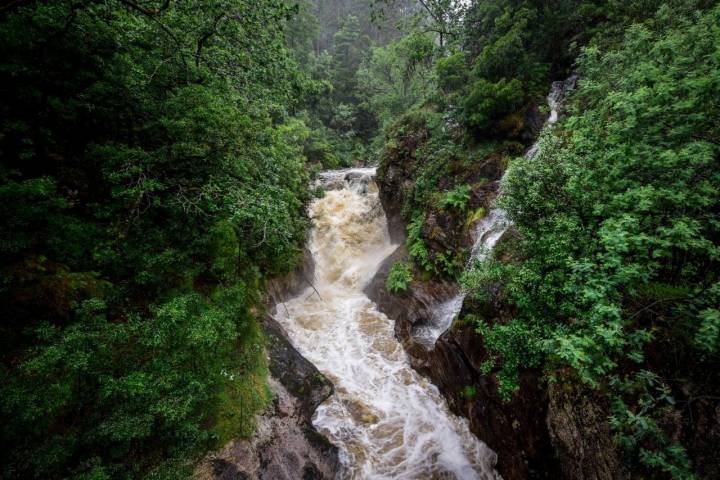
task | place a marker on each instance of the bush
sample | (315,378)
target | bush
(617,220)
(487,102)
(416,245)
(452,72)
(147,191)
(456,198)
(399,277)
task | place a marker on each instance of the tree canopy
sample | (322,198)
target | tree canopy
(149,182)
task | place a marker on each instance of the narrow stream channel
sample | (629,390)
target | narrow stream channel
(388,421)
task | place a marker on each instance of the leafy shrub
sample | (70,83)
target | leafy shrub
(399,277)
(475,216)
(416,245)
(452,72)
(456,198)
(617,216)
(487,101)
(135,154)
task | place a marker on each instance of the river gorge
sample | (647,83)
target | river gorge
(387,420)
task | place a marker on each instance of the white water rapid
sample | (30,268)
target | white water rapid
(388,421)
(488,231)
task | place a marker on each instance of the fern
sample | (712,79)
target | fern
(456,198)
(399,277)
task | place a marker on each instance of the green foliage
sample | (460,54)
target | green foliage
(469,392)
(474,216)
(154,174)
(705,308)
(637,427)
(150,181)
(394,78)
(487,102)
(456,198)
(399,277)
(416,245)
(708,334)
(452,72)
(617,220)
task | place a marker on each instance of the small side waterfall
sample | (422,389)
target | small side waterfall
(388,421)
(486,235)
(489,230)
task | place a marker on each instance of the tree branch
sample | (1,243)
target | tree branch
(146,11)
(206,37)
(151,14)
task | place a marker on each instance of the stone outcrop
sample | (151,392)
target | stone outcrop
(545,431)
(533,432)
(548,430)
(283,288)
(414,306)
(580,433)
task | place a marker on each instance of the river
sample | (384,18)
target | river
(388,421)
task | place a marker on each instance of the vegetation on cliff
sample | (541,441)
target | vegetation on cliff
(618,220)
(150,180)
(613,267)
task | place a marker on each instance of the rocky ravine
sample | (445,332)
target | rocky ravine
(285,445)
(543,432)
(515,430)
(548,430)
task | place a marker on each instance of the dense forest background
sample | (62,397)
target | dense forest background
(156,158)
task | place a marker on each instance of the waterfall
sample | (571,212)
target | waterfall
(488,231)
(387,420)
(486,235)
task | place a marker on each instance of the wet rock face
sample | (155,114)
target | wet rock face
(284,288)
(580,433)
(285,445)
(394,183)
(544,432)
(533,121)
(296,374)
(411,309)
(548,430)
(516,430)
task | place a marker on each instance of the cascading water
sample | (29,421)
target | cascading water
(488,232)
(388,421)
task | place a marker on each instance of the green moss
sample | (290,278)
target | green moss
(456,198)
(469,392)
(475,216)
